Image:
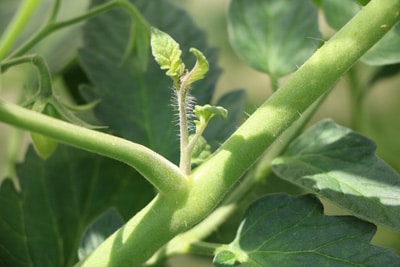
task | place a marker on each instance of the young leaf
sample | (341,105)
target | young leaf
(138,107)
(341,165)
(167,53)
(198,71)
(283,230)
(259,33)
(218,131)
(207,112)
(42,223)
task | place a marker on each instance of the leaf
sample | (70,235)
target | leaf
(274,37)
(138,106)
(341,165)
(283,230)
(218,131)
(207,112)
(199,70)
(384,72)
(167,53)
(139,39)
(338,13)
(201,151)
(102,227)
(41,225)
(384,52)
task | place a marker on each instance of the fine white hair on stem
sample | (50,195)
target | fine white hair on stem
(190,102)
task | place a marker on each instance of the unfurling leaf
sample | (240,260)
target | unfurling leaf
(198,71)
(167,53)
(207,112)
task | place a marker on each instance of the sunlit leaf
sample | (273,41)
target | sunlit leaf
(167,53)
(199,70)
(207,112)
(341,165)
(283,230)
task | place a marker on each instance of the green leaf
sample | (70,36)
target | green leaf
(207,112)
(102,227)
(201,151)
(225,258)
(138,106)
(283,230)
(259,32)
(218,131)
(167,53)
(341,165)
(199,70)
(42,223)
(384,72)
(338,13)
(386,51)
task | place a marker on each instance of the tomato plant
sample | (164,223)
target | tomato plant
(133,160)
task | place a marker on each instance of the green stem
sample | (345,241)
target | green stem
(54,26)
(133,245)
(45,80)
(17,24)
(184,162)
(199,132)
(166,176)
(203,248)
(231,203)
(54,11)
(274,83)
(356,92)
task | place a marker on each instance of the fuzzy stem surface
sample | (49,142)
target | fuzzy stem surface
(163,174)
(213,179)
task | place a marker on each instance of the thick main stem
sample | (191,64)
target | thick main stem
(214,178)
